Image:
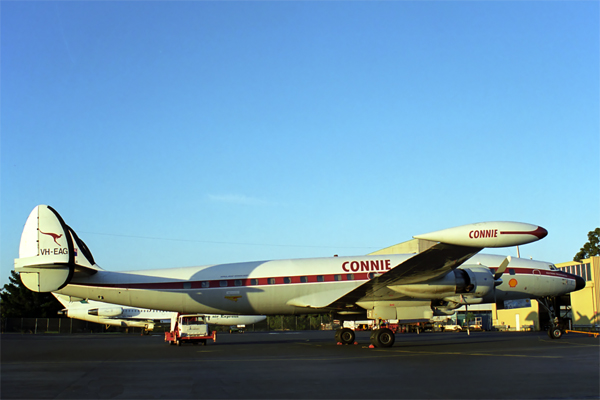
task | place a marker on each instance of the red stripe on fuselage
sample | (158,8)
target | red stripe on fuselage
(247,282)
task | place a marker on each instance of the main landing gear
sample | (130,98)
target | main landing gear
(344,336)
(382,337)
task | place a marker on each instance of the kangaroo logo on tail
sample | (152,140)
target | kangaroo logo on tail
(54,236)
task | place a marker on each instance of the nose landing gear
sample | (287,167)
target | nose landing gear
(556,328)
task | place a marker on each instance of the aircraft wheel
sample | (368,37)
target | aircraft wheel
(345,336)
(337,336)
(383,337)
(555,332)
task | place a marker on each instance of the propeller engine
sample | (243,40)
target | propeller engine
(470,284)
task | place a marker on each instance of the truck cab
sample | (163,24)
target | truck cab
(191,328)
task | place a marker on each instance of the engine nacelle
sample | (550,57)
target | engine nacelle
(473,282)
(482,280)
(106,311)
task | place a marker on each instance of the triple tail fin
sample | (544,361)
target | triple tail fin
(50,252)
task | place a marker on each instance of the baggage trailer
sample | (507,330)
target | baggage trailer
(189,328)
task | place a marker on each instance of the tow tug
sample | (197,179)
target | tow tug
(189,328)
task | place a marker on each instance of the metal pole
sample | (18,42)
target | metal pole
(35,332)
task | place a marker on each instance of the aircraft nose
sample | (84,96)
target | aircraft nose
(579,283)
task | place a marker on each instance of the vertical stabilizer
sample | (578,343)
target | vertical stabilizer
(50,252)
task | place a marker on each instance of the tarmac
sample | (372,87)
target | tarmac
(301,365)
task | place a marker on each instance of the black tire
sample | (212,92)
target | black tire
(555,332)
(337,335)
(383,337)
(345,336)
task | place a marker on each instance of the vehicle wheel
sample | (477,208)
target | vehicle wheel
(178,342)
(555,333)
(203,341)
(345,336)
(383,338)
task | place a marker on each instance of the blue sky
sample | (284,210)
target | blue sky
(192,133)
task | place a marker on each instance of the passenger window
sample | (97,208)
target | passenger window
(287,280)
(237,282)
(271,281)
(223,283)
(338,277)
(205,284)
(350,277)
(320,278)
(254,281)
(303,279)
(511,271)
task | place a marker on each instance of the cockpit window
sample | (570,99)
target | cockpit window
(553,267)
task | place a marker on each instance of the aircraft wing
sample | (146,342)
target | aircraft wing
(432,263)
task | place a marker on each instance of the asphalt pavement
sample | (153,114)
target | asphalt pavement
(301,365)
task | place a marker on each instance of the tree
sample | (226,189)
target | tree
(591,248)
(18,301)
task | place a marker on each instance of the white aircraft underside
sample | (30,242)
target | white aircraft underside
(403,286)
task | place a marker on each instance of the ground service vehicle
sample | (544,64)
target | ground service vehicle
(452,328)
(189,328)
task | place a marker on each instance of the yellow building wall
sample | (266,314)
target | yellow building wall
(585,303)
(524,318)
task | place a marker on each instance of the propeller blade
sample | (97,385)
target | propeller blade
(502,268)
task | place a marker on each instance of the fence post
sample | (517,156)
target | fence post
(35,332)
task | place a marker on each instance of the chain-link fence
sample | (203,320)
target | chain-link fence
(61,325)
(70,325)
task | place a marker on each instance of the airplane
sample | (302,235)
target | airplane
(118,315)
(406,287)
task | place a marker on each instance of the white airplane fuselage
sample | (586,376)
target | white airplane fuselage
(260,287)
(119,315)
